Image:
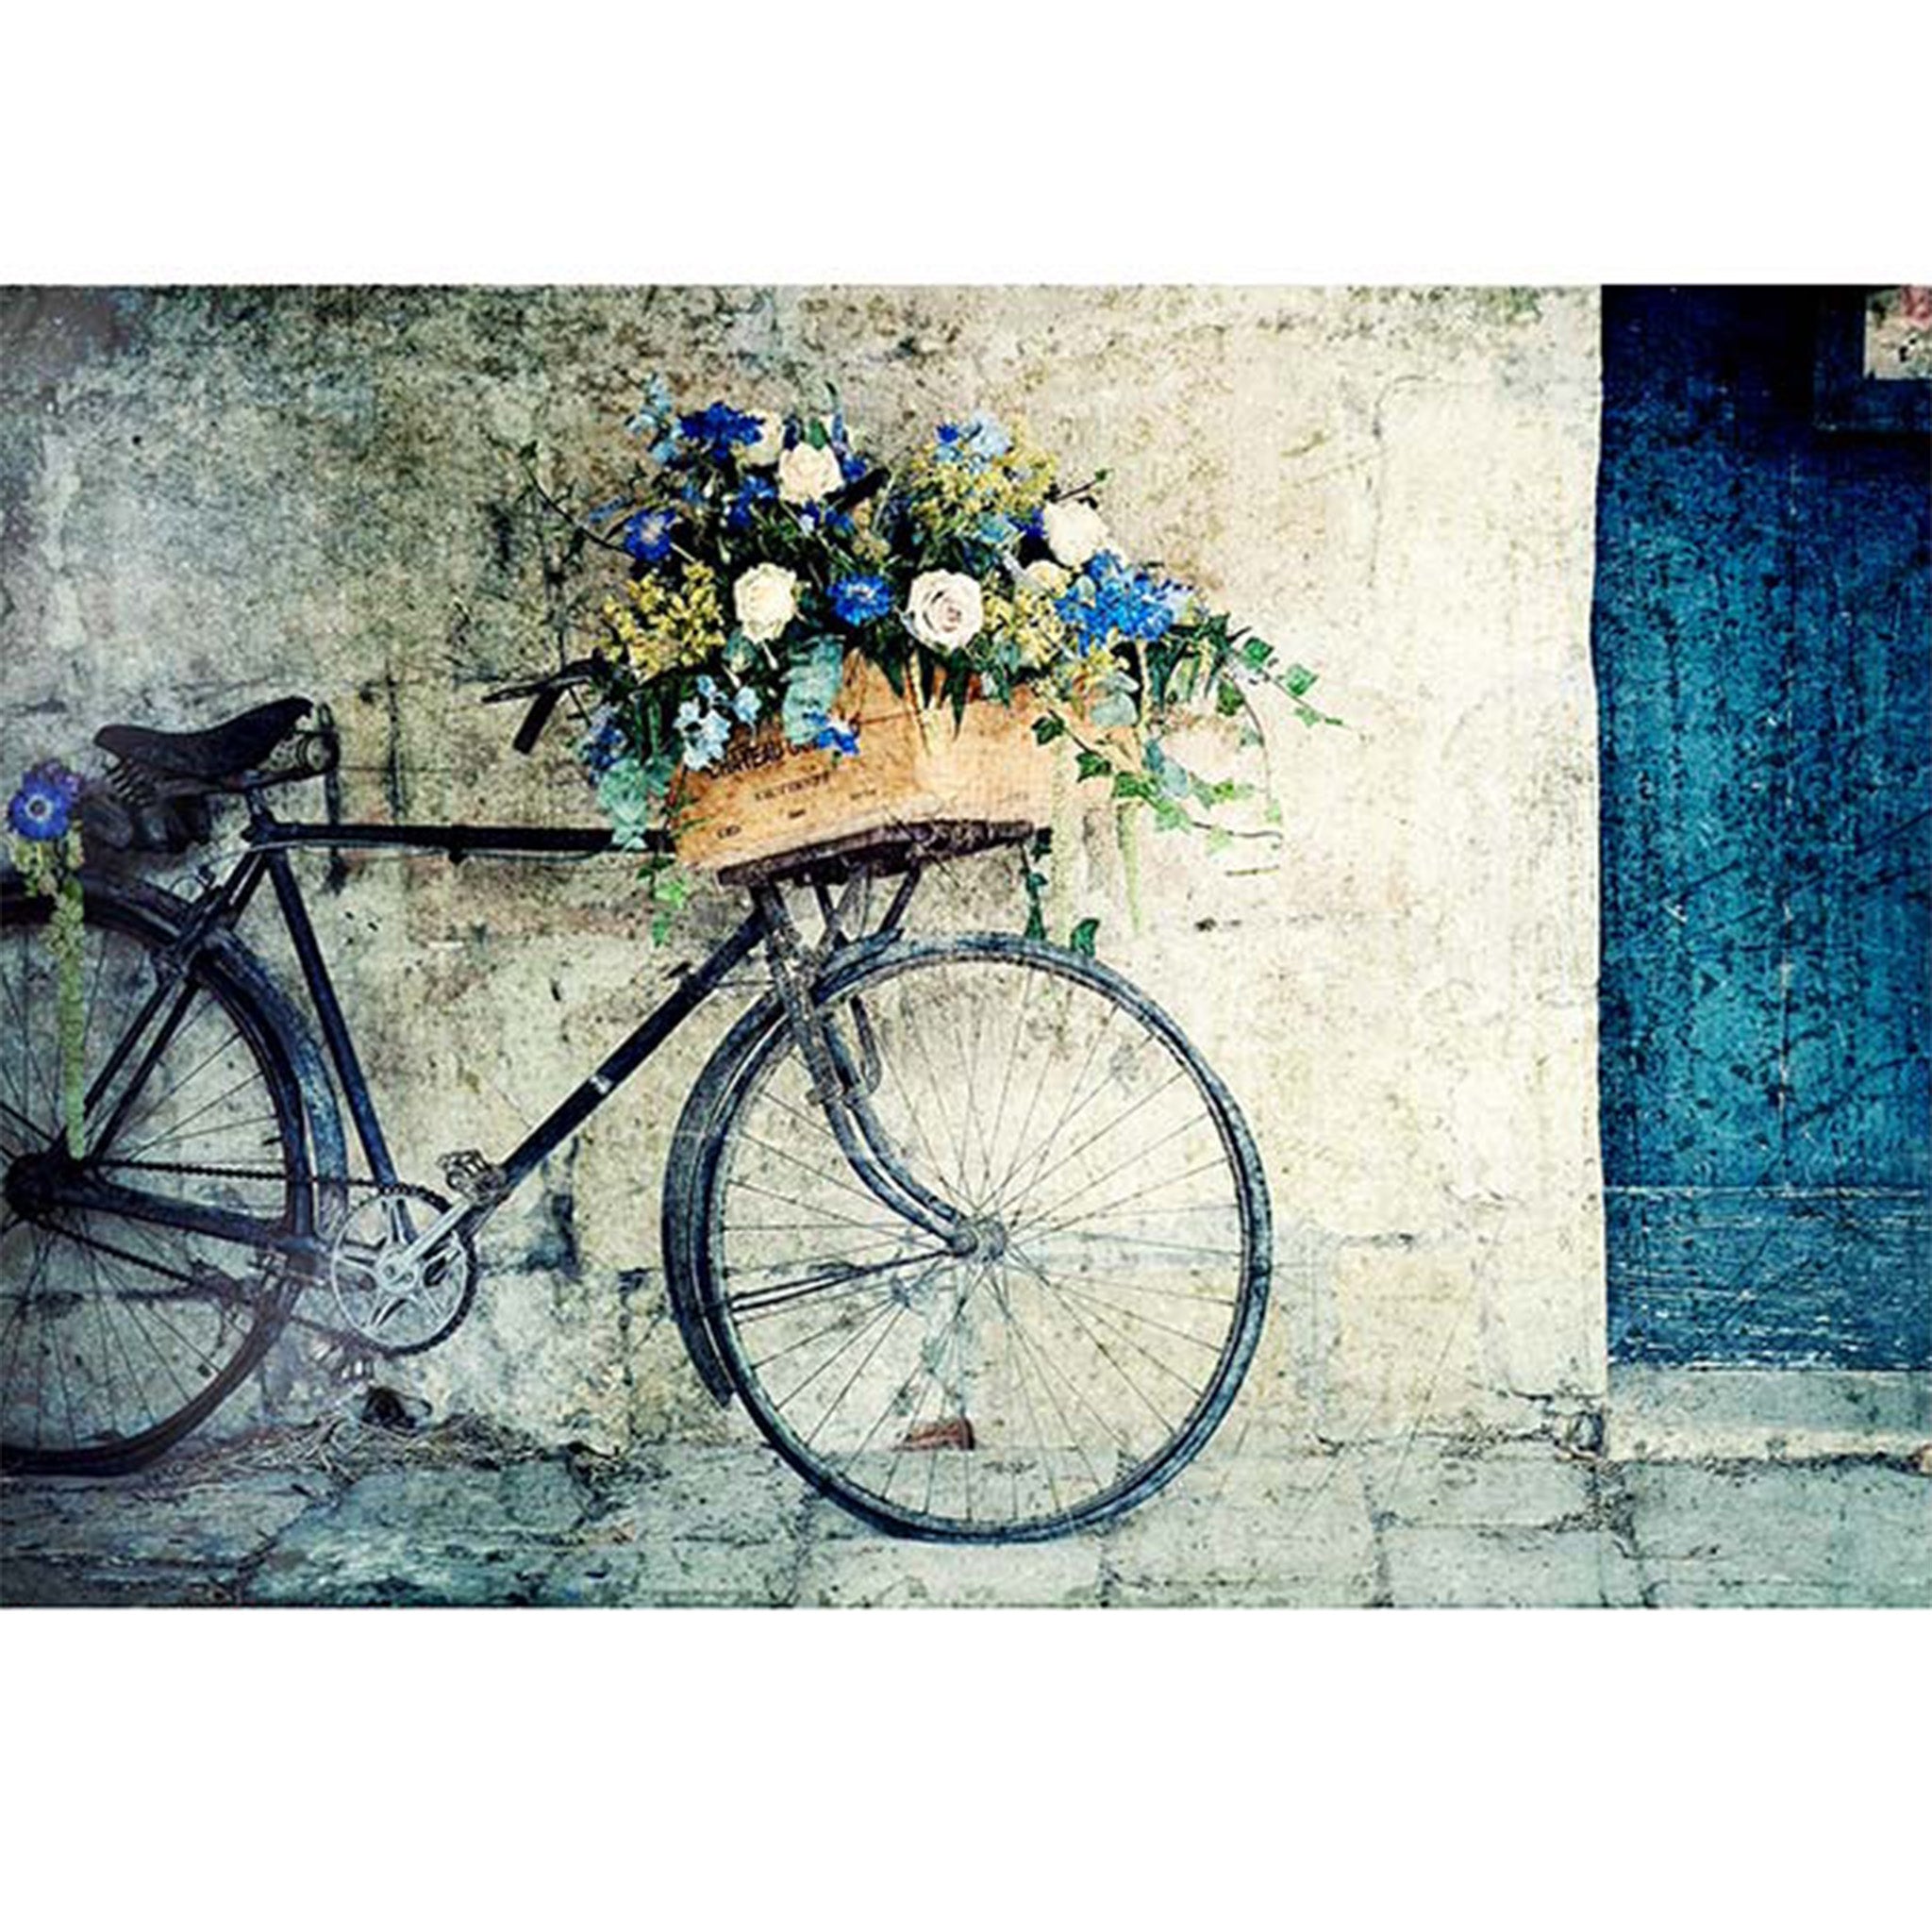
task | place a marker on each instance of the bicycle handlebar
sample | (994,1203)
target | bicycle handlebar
(543,695)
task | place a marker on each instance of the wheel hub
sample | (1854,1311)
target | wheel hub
(34,1181)
(980,1237)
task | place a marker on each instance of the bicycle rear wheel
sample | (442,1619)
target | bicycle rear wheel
(1089,1343)
(119,1335)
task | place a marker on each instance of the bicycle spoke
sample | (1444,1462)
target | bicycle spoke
(760,1299)
(898,1309)
(871,1200)
(1121,1201)
(1107,1354)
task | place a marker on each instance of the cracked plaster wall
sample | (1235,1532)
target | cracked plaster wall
(211,498)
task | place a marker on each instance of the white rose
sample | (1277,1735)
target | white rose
(1048,575)
(806,474)
(770,446)
(1074,532)
(765,599)
(944,609)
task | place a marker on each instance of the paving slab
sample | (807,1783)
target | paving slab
(1437,1485)
(1460,1568)
(1300,1534)
(427,1536)
(729,1493)
(672,1572)
(100,1542)
(1849,1532)
(851,1572)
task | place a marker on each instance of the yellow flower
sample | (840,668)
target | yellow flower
(1023,615)
(664,628)
(951,497)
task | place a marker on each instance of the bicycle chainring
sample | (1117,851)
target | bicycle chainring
(395,1305)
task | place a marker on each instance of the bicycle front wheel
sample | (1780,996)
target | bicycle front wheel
(1087,1345)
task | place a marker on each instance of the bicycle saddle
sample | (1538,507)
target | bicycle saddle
(221,751)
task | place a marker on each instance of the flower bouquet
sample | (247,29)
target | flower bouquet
(791,607)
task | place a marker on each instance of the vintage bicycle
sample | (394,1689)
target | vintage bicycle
(967,1225)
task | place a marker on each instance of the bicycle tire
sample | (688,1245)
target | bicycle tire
(698,1241)
(140,925)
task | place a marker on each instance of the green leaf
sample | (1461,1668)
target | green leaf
(1219,791)
(1046,729)
(1297,679)
(1228,698)
(1136,785)
(1034,883)
(1082,937)
(1093,765)
(1257,653)
(815,434)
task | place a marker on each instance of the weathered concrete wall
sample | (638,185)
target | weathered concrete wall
(213,499)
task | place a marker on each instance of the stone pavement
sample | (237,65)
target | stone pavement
(459,1515)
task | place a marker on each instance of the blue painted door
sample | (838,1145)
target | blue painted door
(1764,664)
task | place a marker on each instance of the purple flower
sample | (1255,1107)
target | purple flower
(43,808)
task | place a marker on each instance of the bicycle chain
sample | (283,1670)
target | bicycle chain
(345,1339)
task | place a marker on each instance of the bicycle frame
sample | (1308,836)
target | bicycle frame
(840,1085)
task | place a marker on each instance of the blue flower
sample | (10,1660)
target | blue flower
(835,734)
(977,442)
(851,465)
(752,492)
(703,731)
(1111,598)
(745,702)
(43,808)
(654,411)
(648,535)
(859,600)
(988,438)
(719,430)
(606,745)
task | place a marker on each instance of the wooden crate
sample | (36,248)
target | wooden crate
(914,766)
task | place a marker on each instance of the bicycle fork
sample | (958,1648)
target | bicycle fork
(843,1081)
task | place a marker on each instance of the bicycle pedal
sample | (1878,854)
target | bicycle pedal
(480,1181)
